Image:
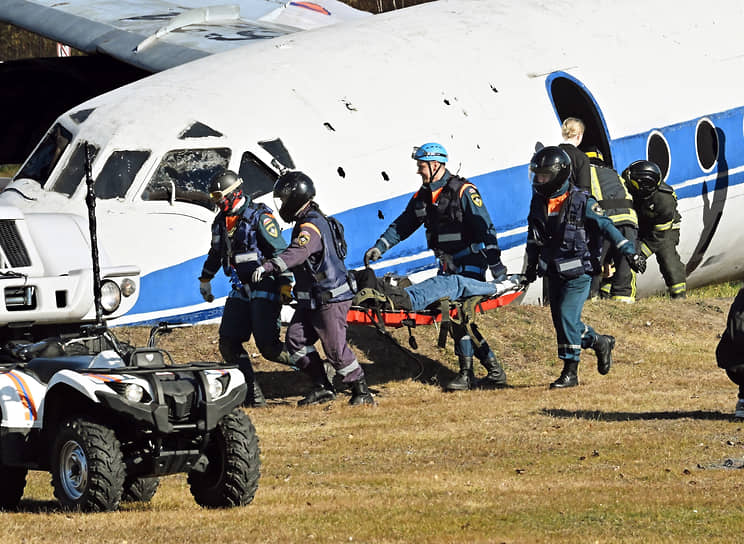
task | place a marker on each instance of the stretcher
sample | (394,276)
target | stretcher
(443,313)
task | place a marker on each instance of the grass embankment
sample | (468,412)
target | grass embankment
(634,456)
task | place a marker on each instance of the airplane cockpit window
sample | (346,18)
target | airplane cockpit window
(118,173)
(199,130)
(74,171)
(184,175)
(47,154)
(81,115)
(258,179)
(277,149)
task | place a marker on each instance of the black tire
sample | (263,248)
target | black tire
(87,467)
(140,489)
(11,490)
(231,477)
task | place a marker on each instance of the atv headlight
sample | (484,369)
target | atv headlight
(134,392)
(218,386)
(110,296)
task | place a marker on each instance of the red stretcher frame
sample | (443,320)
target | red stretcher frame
(361,316)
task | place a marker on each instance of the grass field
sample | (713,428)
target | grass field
(648,453)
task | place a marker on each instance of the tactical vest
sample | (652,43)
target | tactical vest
(610,191)
(323,277)
(572,248)
(442,214)
(242,246)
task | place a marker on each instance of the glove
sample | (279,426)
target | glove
(637,262)
(258,273)
(499,273)
(285,293)
(205,288)
(372,254)
(530,274)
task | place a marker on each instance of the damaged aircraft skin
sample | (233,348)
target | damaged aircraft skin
(346,103)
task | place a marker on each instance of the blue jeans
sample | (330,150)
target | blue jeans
(451,286)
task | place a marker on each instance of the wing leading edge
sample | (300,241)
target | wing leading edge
(156,34)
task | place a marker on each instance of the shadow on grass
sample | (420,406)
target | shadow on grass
(599,415)
(30,506)
(389,362)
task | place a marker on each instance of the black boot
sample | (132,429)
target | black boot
(322,390)
(603,345)
(465,379)
(254,397)
(360,393)
(568,377)
(496,376)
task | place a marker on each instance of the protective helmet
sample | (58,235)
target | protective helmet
(595,156)
(225,190)
(549,169)
(643,178)
(292,191)
(430,152)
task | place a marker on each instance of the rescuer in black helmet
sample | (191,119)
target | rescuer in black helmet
(244,234)
(658,222)
(564,226)
(610,191)
(322,288)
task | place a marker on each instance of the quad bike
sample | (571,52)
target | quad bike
(107,420)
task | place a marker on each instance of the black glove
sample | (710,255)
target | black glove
(637,262)
(530,274)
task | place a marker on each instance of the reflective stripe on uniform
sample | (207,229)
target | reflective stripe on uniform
(345,371)
(627,300)
(664,226)
(452,237)
(297,355)
(646,250)
(246,257)
(678,288)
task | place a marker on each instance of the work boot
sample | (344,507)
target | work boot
(603,345)
(360,393)
(319,394)
(496,376)
(465,379)
(322,390)
(254,398)
(568,377)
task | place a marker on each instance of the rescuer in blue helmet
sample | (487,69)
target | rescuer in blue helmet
(460,232)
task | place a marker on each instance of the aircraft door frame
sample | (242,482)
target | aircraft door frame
(571,98)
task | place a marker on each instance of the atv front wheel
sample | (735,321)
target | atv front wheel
(87,467)
(231,476)
(140,489)
(13,481)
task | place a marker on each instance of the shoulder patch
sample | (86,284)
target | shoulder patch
(272,229)
(597,209)
(475,197)
(303,238)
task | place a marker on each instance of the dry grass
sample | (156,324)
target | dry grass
(635,456)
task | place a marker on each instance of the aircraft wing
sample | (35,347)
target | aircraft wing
(156,34)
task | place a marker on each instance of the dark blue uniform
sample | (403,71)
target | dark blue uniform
(240,243)
(460,232)
(563,244)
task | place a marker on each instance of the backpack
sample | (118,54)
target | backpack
(337,233)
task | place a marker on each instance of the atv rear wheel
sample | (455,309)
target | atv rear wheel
(87,467)
(231,477)
(13,481)
(140,489)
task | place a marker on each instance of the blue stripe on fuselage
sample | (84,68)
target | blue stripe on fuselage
(507,194)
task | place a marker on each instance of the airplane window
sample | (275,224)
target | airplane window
(47,154)
(258,179)
(198,130)
(118,173)
(657,151)
(277,149)
(184,175)
(82,115)
(706,141)
(74,171)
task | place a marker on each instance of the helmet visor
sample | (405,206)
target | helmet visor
(421,154)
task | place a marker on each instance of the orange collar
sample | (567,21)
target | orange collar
(555,204)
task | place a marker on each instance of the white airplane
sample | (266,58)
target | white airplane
(489,79)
